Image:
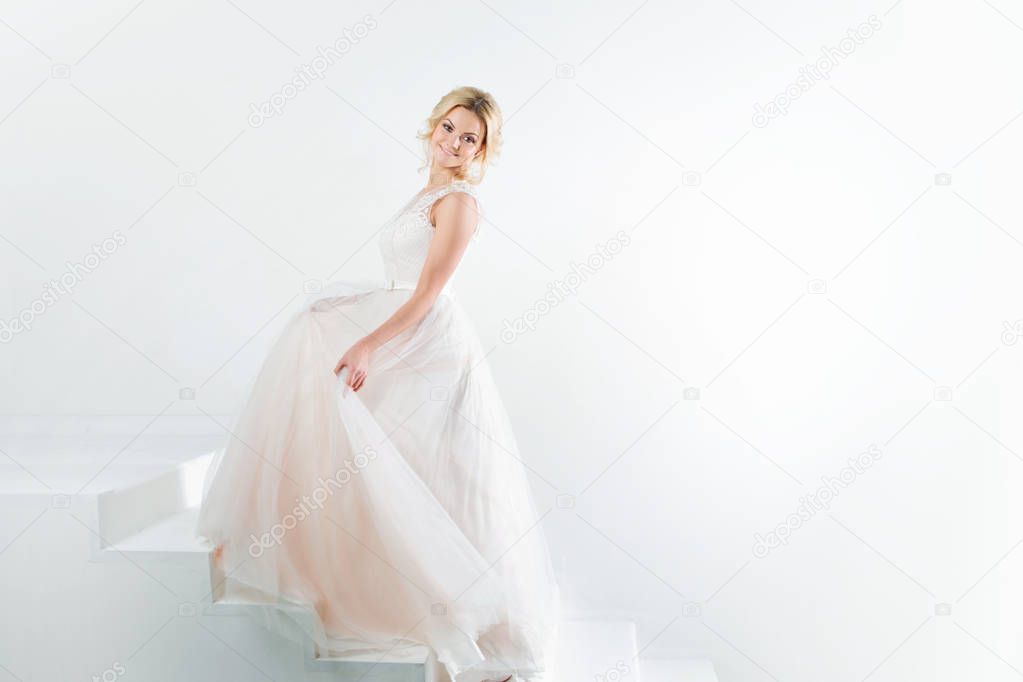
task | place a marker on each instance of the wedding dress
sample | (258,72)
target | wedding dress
(397,515)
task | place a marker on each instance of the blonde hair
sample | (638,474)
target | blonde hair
(483,105)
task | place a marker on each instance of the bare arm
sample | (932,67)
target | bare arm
(455,216)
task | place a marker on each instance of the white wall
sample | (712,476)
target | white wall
(808,279)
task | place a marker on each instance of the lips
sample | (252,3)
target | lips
(446,151)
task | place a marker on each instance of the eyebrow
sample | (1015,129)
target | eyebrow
(454,126)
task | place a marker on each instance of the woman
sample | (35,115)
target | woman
(372,491)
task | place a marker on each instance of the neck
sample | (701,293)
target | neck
(440,176)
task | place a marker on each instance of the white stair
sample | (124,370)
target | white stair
(153,520)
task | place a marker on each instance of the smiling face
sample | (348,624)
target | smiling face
(457,138)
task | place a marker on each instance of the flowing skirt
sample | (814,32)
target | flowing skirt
(395,516)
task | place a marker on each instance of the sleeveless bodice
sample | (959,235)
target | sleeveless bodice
(405,240)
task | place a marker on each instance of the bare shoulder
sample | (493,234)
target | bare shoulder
(458,205)
(462,193)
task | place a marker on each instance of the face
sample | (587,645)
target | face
(456,139)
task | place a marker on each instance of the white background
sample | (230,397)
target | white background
(811,282)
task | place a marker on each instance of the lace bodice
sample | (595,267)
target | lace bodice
(405,240)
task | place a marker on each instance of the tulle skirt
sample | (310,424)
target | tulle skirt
(395,516)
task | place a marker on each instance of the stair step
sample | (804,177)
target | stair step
(129,510)
(169,540)
(399,665)
(378,672)
(172,535)
(155,519)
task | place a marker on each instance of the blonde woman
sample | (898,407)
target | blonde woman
(372,495)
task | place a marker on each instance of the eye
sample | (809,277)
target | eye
(448,127)
(470,139)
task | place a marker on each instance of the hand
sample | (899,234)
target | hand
(356,359)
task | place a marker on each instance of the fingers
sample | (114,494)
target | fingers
(354,379)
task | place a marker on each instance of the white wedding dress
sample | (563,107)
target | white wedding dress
(397,515)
